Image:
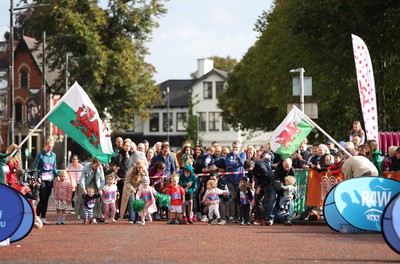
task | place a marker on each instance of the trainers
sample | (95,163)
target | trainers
(62,223)
(204,219)
(194,219)
(170,222)
(106,222)
(142,223)
(45,222)
(222,222)
(113,220)
(130,222)
(94,221)
(72,212)
(210,221)
(256,223)
(242,223)
(269,223)
(232,219)
(191,220)
(248,223)
(288,223)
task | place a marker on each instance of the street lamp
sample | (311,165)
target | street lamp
(66,89)
(168,114)
(301,71)
(11,73)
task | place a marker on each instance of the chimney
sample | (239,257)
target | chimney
(204,66)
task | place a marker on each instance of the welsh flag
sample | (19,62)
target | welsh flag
(76,115)
(288,136)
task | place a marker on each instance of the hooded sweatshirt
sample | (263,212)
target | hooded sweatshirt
(192,180)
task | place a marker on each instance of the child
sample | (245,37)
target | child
(211,199)
(245,197)
(188,181)
(223,198)
(110,192)
(147,194)
(177,194)
(336,168)
(288,193)
(89,201)
(208,160)
(63,195)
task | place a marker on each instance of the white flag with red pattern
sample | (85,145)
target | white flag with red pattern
(366,87)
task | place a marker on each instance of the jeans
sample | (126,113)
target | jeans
(272,205)
(131,212)
(233,204)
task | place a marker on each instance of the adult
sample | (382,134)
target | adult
(131,186)
(141,147)
(185,144)
(234,162)
(261,175)
(137,155)
(282,170)
(150,153)
(46,164)
(167,158)
(74,170)
(357,166)
(305,154)
(219,160)
(92,176)
(119,142)
(374,154)
(146,145)
(123,163)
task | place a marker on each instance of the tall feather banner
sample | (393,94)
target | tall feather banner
(366,87)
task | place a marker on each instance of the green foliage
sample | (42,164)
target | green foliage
(108,48)
(316,35)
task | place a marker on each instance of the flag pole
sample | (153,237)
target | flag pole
(323,131)
(45,117)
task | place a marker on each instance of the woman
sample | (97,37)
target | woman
(46,164)
(150,154)
(13,164)
(132,183)
(357,131)
(374,154)
(74,171)
(92,176)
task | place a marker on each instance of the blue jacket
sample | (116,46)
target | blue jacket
(235,164)
(168,161)
(87,176)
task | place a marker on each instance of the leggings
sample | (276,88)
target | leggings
(44,194)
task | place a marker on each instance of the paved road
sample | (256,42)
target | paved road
(157,242)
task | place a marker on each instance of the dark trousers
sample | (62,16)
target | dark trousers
(262,202)
(245,212)
(120,187)
(44,194)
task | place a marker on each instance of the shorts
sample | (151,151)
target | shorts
(61,205)
(176,208)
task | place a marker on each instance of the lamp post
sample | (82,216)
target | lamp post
(11,72)
(66,89)
(168,114)
(301,71)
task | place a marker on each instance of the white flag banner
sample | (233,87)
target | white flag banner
(366,87)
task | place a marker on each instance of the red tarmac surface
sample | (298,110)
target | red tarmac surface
(157,242)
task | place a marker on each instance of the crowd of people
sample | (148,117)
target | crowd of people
(216,185)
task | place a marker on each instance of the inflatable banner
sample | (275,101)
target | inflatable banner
(391,224)
(361,201)
(11,211)
(334,219)
(27,222)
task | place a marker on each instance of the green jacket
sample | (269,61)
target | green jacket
(192,179)
(377,160)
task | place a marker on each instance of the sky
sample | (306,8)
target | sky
(191,30)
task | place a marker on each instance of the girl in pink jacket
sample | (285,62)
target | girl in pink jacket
(63,195)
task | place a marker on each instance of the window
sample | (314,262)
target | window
(154,122)
(181,122)
(18,112)
(213,123)
(202,122)
(24,79)
(225,125)
(219,88)
(207,90)
(167,119)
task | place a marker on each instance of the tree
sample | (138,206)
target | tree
(316,35)
(108,47)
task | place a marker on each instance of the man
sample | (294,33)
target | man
(234,162)
(258,171)
(219,160)
(137,155)
(119,142)
(305,154)
(166,157)
(141,147)
(282,170)
(357,166)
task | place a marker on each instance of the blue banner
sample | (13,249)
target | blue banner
(11,211)
(361,201)
(391,224)
(27,222)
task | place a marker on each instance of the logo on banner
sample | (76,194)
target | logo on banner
(377,199)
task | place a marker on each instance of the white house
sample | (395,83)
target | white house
(209,83)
